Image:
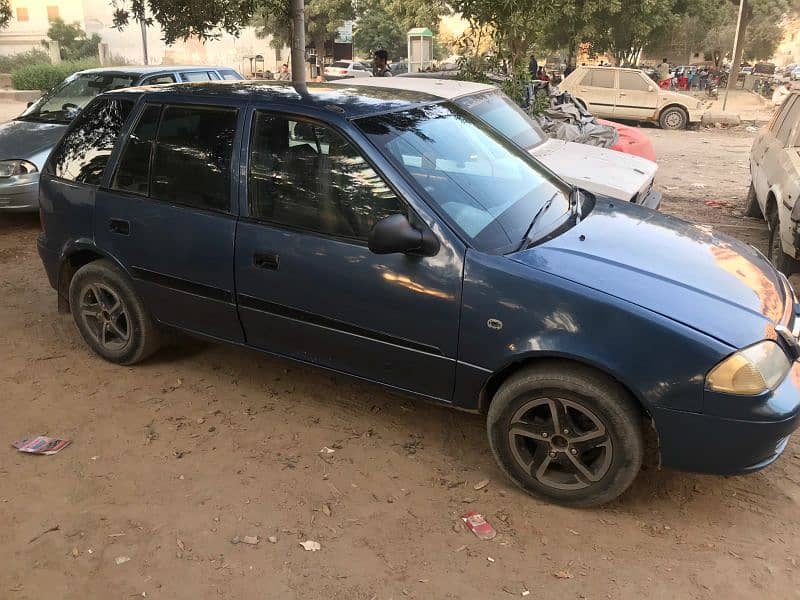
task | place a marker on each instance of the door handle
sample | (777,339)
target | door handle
(266,261)
(119,226)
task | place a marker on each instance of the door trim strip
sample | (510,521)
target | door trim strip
(182,285)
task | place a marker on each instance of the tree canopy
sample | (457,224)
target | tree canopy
(5,13)
(376,29)
(72,40)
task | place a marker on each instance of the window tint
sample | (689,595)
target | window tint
(308,177)
(192,160)
(195,76)
(599,78)
(632,81)
(157,79)
(230,74)
(134,166)
(84,151)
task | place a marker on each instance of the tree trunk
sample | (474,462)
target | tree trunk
(298,41)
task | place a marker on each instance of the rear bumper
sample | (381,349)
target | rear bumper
(725,446)
(22,197)
(49,260)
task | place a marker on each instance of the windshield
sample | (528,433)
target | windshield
(489,189)
(64,102)
(499,112)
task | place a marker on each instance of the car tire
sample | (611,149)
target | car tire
(779,259)
(110,315)
(673,118)
(753,209)
(603,434)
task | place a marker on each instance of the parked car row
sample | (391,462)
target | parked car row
(455,268)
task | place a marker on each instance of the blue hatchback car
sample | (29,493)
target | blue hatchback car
(393,236)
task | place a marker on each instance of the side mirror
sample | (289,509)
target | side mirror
(395,234)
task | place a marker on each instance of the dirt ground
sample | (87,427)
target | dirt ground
(172,459)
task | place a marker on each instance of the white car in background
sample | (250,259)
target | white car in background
(596,170)
(346,68)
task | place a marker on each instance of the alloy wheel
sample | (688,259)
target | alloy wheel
(560,443)
(105,316)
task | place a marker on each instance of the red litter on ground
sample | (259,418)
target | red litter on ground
(478,525)
(41,445)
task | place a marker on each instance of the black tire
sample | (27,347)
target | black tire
(110,315)
(779,259)
(594,406)
(752,209)
(673,118)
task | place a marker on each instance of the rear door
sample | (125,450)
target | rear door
(637,96)
(168,214)
(598,90)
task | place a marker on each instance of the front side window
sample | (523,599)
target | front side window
(499,112)
(192,157)
(306,176)
(633,81)
(489,189)
(791,111)
(159,79)
(83,153)
(65,101)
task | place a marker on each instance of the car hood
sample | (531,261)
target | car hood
(597,170)
(29,140)
(688,273)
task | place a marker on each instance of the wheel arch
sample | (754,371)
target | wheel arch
(73,257)
(678,105)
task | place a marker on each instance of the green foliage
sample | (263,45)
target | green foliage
(72,40)
(45,76)
(12,62)
(377,29)
(5,13)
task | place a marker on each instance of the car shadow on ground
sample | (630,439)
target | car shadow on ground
(18,222)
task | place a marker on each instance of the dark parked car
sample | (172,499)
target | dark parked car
(26,141)
(392,236)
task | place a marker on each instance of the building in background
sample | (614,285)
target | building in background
(789,49)
(30,20)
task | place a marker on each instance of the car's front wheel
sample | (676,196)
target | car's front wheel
(753,209)
(781,261)
(110,315)
(566,433)
(673,118)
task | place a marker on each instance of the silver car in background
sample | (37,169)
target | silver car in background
(26,141)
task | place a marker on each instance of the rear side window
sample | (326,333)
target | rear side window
(788,119)
(599,78)
(195,76)
(157,79)
(83,154)
(229,75)
(192,160)
(133,172)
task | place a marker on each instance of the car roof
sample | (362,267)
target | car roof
(147,70)
(346,98)
(444,89)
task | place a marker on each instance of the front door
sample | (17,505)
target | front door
(637,96)
(598,91)
(308,286)
(168,215)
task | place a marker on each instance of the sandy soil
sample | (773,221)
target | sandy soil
(173,459)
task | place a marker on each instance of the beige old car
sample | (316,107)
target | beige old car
(617,93)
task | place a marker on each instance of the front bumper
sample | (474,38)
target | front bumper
(19,196)
(725,446)
(49,260)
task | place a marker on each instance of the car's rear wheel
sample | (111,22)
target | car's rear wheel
(782,261)
(753,209)
(673,118)
(566,433)
(110,315)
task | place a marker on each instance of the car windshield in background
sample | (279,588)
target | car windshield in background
(500,113)
(341,65)
(65,101)
(488,188)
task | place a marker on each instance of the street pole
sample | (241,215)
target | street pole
(144,39)
(298,41)
(738,40)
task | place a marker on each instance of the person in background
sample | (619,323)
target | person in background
(541,75)
(663,71)
(781,93)
(380,68)
(703,77)
(284,74)
(533,67)
(692,78)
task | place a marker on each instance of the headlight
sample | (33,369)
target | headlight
(8,168)
(751,371)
